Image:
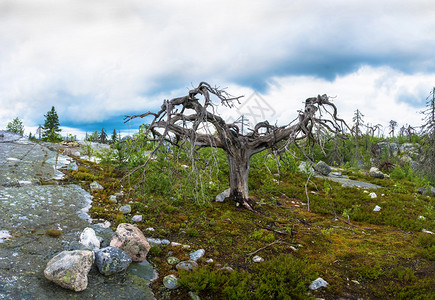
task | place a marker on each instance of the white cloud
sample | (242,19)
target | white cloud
(97,59)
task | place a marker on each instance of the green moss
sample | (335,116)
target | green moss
(53,232)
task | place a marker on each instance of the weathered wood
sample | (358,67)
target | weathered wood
(174,118)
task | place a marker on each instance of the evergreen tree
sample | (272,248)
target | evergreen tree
(103,136)
(114,137)
(16,126)
(50,130)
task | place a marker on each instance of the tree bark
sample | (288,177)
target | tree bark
(238,164)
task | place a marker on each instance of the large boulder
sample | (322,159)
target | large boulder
(69,269)
(323,168)
(111,260)
(427,191)
(130,239)
(376,173)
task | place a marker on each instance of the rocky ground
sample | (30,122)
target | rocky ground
(40,218)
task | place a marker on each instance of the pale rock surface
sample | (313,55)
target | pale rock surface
(89,239)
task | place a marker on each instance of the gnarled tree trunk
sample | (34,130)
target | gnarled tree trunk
(183,117)
(238,164)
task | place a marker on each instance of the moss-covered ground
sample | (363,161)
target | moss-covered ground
(359,252)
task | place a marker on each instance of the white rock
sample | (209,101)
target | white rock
(175,244)
(421,218)
(257,259)
(153,241)
(377,208)
(171,282)
(24,182)
(137,218)
(105,224)
(95,186)
(318,283)
(221,197)
(197,254)
(89,239)
(149,229)
(373,195)
(4,235)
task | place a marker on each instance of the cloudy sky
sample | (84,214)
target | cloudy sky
(99,60)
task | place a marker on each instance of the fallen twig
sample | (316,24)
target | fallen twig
(262,248)
(274,230)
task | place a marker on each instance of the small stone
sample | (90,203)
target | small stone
(175,244)
(137,218)
(125,209)
(197,254)
(186,247)
(376,173)
(377,208)
(187,265)
(318,283)
(149,229)
(119,195)
(222,196)
(209,260)
(113,199)
(165,242)
(95,186)
(373,195)
(193,296)
(154,242)
(25,183)
(89,239)
(111,260)
(73,166)
(354,281)
(171,282)
(172,260)
(105,224)
(293,248)
(257,259)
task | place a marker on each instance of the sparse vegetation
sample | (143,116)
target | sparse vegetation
(359,252)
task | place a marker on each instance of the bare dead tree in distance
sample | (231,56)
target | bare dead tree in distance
(185,117)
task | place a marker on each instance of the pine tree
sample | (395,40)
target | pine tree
(16,126)
(114,137)
(103,136)
(51,128)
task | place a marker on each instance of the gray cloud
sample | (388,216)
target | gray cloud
(112,57)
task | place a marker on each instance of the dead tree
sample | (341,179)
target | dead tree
(190,116)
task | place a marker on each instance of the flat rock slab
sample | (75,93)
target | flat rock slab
(28,211)
(24,161)
(346,182)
